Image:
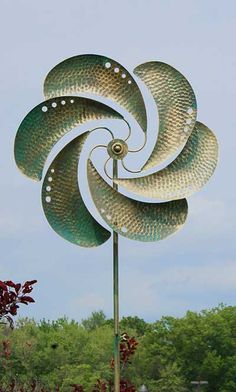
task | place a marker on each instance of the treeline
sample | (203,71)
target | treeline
(171,352)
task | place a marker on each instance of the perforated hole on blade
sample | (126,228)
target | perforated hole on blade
(44,109)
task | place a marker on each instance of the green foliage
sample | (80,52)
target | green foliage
(171,352)
(97,319)
(170,380)
(134,323)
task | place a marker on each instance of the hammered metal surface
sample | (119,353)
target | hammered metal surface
(177,108)
(47,123)
(62,201)
(135,219)
(97,75)
(186,174)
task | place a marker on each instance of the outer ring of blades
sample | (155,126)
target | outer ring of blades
(163,218)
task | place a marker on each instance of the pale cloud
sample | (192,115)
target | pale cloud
(86,304)
(15,223)
(144,296)
(210,277)
(212,214)
(174,289)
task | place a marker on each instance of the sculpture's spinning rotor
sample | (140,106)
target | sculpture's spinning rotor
(62,199)
(178,130)
(117,149)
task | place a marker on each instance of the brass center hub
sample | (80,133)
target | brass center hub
(117,149)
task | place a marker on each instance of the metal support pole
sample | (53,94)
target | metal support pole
(116,298)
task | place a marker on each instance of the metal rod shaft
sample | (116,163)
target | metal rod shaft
(116,298)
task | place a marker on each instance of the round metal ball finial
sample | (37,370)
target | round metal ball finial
(117,149)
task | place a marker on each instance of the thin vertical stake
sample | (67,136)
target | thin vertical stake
(116,297)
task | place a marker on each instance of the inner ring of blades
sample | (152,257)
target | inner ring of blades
(117,149)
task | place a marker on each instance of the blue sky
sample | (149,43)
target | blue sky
(194,269)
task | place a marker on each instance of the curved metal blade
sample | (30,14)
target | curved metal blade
(177,108)
(62,201)
(97,75)
(47,123)
(186,174)
(135,219)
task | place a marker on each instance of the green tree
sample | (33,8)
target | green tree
(96,320)
(171,351)
(170,380)
(134,323)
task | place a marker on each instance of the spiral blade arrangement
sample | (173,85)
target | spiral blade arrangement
(178,132)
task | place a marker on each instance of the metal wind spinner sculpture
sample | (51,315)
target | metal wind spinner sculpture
(178,130)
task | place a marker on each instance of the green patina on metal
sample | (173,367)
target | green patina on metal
(134,219)
(98,75)
(176,103)
(62,201)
